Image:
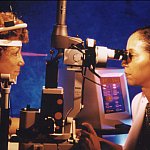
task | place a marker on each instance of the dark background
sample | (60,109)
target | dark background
(109,22)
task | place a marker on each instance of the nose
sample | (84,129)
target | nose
(21,61)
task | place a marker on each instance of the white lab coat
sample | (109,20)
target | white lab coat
(138,111)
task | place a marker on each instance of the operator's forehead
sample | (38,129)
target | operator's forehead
(134,43)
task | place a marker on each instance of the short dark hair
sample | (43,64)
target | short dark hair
(144,36)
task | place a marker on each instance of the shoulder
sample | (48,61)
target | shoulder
(136,104)
(137,98)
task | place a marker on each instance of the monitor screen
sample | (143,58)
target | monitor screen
(112,95)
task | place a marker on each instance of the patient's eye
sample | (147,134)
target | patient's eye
(16,53)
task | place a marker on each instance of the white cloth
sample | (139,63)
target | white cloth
(138,111)
(4,42)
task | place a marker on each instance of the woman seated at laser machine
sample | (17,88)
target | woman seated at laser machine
(13,33)
(137,70)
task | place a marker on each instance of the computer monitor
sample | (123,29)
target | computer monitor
(106,105)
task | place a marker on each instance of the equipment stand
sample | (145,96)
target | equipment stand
(4,128)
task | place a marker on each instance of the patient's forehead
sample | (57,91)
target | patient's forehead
(12,48)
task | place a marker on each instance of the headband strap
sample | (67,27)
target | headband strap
(17,26)
(10,43)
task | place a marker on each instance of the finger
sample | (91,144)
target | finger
(91,137)
(85,134)
(89,127)
(84,144)
(78,131)
(89,143)
(92,143)
(78,134)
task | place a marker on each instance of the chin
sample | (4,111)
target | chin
(13,76)
(131,82)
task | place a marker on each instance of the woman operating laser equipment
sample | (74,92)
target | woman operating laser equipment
(137,70)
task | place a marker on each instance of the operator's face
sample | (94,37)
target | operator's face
(11,61)
(137,70)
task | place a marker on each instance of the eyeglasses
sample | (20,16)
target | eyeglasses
(127,57)
(122,55)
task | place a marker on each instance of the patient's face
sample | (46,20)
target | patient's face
(11,61)
(138,69)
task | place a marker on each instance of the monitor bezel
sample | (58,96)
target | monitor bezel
(109,120)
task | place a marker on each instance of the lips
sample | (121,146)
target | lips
(17,72)
(127,74)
